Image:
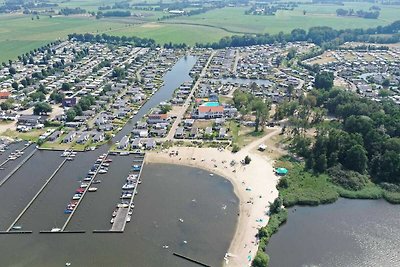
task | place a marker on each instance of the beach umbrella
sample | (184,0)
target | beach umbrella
(281,171)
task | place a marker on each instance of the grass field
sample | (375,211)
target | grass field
(20,34)
(234,19)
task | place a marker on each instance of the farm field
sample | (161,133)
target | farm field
(20,34)
(234,20)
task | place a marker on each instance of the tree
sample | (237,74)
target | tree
(165,109)
(260,260)
(324,80)
(6,105)
(356,159)
(38,96)
(66,87)
(14,85)
(42,108)
(12,70)
(71,114)
(57,97)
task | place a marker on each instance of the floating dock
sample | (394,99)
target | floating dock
(190,259)
(122,213)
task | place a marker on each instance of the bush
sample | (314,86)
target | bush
(247,160)
(235,148)
(349,180)
(260,260)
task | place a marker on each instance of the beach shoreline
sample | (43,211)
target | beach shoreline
(253,184)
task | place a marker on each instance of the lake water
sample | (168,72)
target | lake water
(347,233)
(167,193)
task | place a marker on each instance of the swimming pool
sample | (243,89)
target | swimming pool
(211,104)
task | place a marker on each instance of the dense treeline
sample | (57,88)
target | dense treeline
(359,13)
(105,38)
(71,11)
(365,140)
(319,35)
(114,13)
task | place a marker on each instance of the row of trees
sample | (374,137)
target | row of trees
(359,13)
(105,38)
(318,35)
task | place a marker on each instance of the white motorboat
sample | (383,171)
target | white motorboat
(128,219)
(92,189)
(55,230)
(128,186)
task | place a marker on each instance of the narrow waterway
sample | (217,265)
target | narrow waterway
(349,233)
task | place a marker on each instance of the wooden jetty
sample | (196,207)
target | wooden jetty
(190,259)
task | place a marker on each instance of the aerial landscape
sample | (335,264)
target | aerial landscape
(199,133)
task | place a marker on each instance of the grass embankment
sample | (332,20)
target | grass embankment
(301,187)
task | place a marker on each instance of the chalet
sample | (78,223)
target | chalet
(136,143)
(150,144)
(4,94)
(98,137)
(70,137)
(222,133)
(69,102)
(193,132)
(179,133)
(29,120)
(83,138)
(124,143)
(157,118)
(54,136)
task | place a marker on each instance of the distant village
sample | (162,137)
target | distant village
(79,95)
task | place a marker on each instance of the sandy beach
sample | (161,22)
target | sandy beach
(254,184)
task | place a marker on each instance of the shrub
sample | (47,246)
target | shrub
(349,180)
(260,260)
(235,148)
(247,160)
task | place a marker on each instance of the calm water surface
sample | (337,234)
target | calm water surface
(348,233)
(166,194)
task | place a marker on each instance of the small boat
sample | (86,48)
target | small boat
(165,246)
(77,196)
(112,220)
(108,160)
(136,168)
(92,189)
(79,190)
(70,159)
(181,220)
(16,227)
(122,205)
(124,153)
(96,182)
(128,219)
(140,181)
(115,212)
(125,196)
(128,186)
(102,171)
(130,212)
(55,230)
(91,172)
(87,179)
(84,185)
(105,164)
(67,211)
